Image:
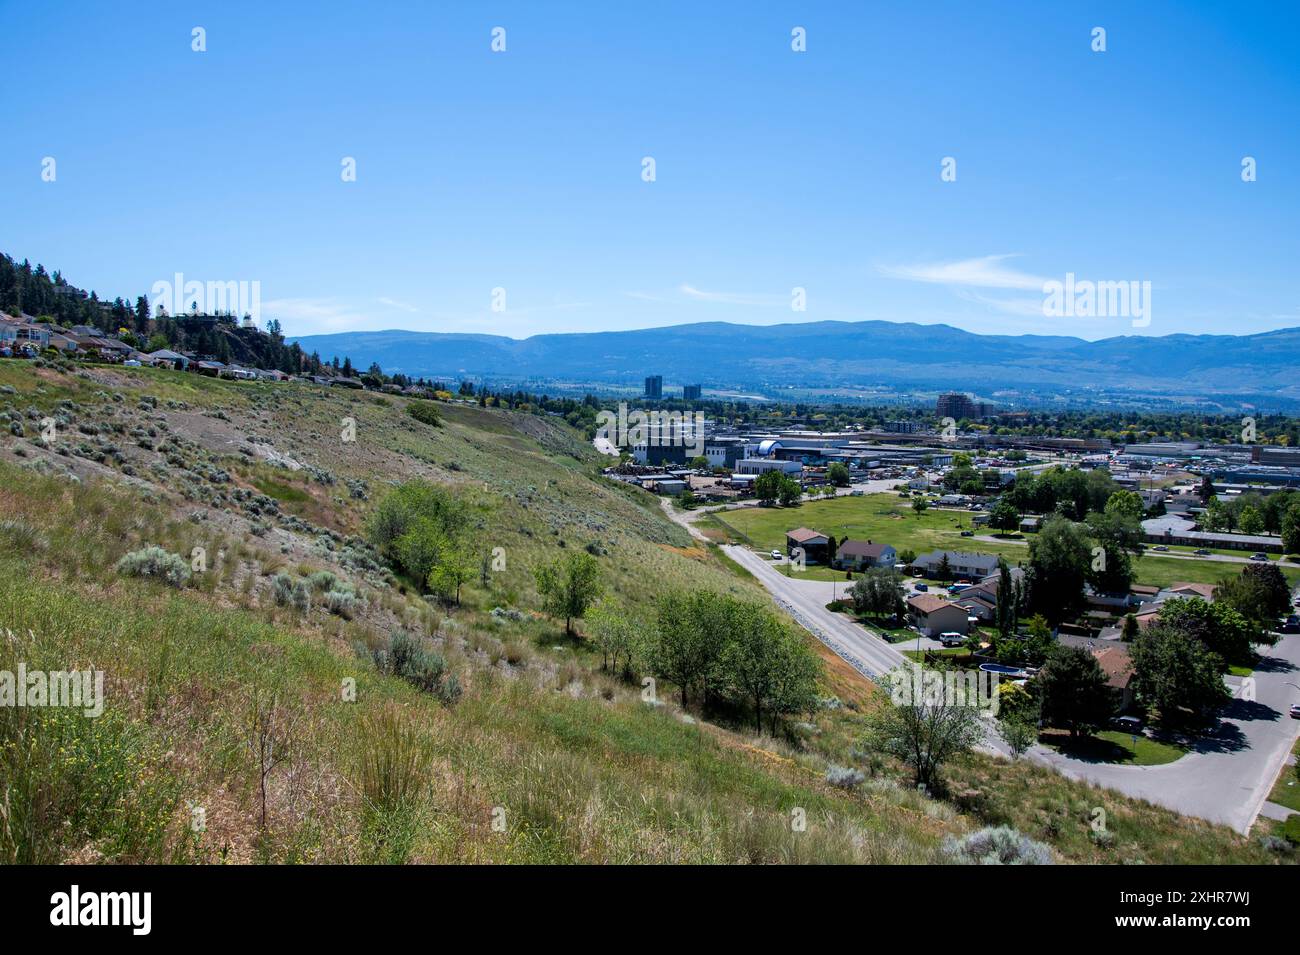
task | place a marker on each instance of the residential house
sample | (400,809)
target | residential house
(1143,593)
(933,615)
(1185,589)
(981,600)
(16,332)
(1115,661)
(960,563)
(62,342)
(858,555)
(110,349)
(176,359)
(815,544)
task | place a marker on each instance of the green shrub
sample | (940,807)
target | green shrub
(412,524)
(289,593)
(157,563)
(425,412)
(322,580)
(421,666)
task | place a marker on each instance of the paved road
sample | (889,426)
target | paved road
(806,602)
(1226,778)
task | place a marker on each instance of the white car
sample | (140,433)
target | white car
(776,555)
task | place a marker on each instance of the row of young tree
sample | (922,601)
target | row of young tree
(721,652)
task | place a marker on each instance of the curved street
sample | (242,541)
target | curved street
(1225,778)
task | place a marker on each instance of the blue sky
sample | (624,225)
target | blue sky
(774,169)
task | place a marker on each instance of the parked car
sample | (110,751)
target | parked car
(1291,624)
(1259,555)
(1295,711)
(776,555)
(922,586)
(952,639)
(967,533)
(1160,547)
(1127,724)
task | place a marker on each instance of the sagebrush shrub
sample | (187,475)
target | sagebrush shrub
(997,845)
(341,602)
(157,563)
(289,593)
(844,777)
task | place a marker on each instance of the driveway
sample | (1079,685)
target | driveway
(1227,777)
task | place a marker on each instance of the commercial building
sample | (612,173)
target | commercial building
(654,386)
(956,405)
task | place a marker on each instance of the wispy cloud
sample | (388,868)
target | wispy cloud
(985,272)
(305,316)
(1027,307)
(691,293)
(732,298)
(394,303)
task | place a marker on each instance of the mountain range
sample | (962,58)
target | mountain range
(824,356)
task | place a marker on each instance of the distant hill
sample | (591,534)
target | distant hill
(845,354)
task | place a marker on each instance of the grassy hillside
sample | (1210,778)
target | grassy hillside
(231,700)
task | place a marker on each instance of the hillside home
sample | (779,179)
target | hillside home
(176,359)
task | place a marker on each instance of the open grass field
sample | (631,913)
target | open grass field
(888,518)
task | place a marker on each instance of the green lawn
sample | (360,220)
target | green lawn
(889,519)
(1286,791)
(1114,746)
